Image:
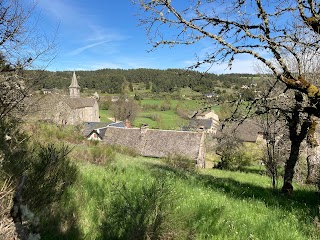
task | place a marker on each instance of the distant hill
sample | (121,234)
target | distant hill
(113,80)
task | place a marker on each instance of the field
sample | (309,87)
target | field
(116,194)
(135,195)
(151,114)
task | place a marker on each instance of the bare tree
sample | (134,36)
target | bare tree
(22,46)
(124,109)
(275,129)
(268,31)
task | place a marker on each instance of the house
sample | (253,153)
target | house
(96,130)
(247,131)
(117,98)
(47,90)
(207,120)
(159,143)
(210,95)
(208,125)
(72,109)
(207,114)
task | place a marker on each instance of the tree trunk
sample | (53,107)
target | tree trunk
(313,165)
(289,167)
(313,158)
(298,129)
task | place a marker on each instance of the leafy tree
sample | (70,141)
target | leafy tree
(265,30)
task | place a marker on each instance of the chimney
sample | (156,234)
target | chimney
(144,128)
(127,124)
(201,128)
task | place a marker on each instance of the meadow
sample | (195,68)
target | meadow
(154,113)
(113,193)
(132,197)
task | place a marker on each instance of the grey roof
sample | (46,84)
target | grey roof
(246,131)
(117,124)
(196,123)
(156,143)
(75,103)
(96,132)
(128,137)
(161,143)
(90,126)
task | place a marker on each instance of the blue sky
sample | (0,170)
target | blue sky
(100,34)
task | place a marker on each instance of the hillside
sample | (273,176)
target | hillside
(132,197)
(111,80)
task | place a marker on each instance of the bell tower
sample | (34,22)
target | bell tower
(74,87)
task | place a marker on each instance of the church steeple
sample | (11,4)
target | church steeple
(74,87)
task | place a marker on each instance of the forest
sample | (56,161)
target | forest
(156,80)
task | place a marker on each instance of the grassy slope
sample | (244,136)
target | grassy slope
(167,119)
(211,204)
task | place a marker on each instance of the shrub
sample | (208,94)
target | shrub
(180,162)
(7,227)
(182,113)
(236,160)
(102,154)
(153,117)
(138,212)
(125,150)
(165,106)
(148,107)
(235,155)
(49,175)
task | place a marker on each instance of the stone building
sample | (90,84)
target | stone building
(159,143)
(72,109)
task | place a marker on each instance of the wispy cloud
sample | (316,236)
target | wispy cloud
(79,21)
(59,10)
(81,49)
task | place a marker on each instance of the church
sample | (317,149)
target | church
(72,109)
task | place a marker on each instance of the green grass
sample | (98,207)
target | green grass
(104,115)
(167,120)
(188,104)
(209,204)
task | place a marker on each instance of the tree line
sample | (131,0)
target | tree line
(112,80)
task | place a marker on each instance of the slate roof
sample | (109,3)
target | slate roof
(161,143)
(75,103)
(128,137)
(156,143)
(90,126)
(246,131)
(196,123)
(117,124)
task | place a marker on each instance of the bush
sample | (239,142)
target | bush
(125,150)
(138,212)
(165,106)
(235,155)
(102,154)
(148,107)
(153,117)
(180,162)
(7,227)
(236,160)
(182,113)
(49,175)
